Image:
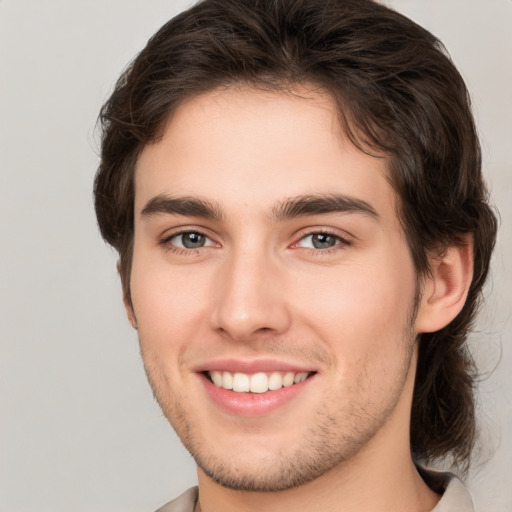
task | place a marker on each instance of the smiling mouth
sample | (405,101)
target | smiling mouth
(260,382)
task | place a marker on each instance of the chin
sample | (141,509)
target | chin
(277,464)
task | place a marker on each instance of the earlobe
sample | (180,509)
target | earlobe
(445,291)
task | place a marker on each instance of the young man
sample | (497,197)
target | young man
(294,189)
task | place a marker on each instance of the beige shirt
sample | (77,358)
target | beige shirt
(455,498)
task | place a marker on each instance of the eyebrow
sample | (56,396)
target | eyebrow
(322,204)
(300,206)
(187,206)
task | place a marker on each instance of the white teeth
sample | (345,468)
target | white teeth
(256,383)
(275,381)
(240,382)
(300,377)
(217,378)
(227,380)
(288,379)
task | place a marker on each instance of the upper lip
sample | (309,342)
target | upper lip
(252,366)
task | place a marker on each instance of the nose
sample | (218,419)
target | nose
(250,297)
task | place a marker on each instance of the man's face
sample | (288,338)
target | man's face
(268,251)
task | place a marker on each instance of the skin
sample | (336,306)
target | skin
(259,289)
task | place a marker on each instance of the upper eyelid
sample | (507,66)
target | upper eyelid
(173,232)
(336,232)
(186,231)
(334,235)
(340,242)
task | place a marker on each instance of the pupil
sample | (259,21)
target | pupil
(193,240)
(323,241)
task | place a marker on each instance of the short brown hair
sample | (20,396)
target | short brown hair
(398,94)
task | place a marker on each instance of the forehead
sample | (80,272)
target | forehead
(241,146)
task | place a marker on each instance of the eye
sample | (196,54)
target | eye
(189,240)
(321,241)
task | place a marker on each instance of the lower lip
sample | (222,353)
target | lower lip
(252,404)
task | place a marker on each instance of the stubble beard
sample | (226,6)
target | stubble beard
(330,442)
(324,449)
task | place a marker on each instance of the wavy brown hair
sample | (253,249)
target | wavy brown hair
(398,94)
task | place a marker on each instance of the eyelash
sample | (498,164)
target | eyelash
(340,245)
(169,247)
(341,242)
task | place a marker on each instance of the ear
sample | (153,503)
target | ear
(127,301)
(444,292)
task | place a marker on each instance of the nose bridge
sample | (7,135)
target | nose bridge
(248,298)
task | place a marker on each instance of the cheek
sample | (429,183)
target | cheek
(360,311)
(168,302)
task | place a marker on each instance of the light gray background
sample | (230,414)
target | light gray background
(79,428)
